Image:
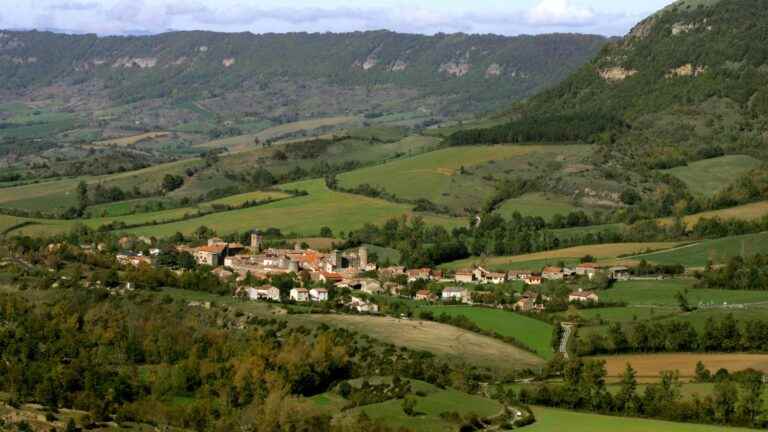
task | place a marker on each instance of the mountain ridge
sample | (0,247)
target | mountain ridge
(197,64)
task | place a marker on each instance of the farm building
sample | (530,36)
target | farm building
(587,269)
(464,276)
(552,273)
(211,254)
(527,304)
(619,273)
(425,295)
(583,296)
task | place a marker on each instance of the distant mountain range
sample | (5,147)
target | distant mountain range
(450,73)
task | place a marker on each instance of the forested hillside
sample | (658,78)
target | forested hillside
(481,71)
(690,77)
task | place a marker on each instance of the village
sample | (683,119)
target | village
(251,267)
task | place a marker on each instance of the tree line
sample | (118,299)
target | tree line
(723,334)
(736,399)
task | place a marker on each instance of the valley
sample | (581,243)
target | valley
(381,231)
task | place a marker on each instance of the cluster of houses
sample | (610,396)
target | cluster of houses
(346,270)
(479,275)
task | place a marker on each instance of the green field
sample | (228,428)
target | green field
(534,333)
(557,420)
(662,293)
(301,215)
(620,314)
(718,250)
(537,204)
(709,176)
(434,402)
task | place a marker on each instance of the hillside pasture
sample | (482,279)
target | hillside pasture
(600,251)
(60,194)
(534,333)
(537,204)
(709,176)
(457,177)
(430,407)
(716,250)
(558,420)
(445,341)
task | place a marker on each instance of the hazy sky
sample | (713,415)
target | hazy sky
(509,17)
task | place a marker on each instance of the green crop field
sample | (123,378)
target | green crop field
(662,293)
(537,204)
(557,420)
(717,250)
(534,333)
(709,176)
(601,251)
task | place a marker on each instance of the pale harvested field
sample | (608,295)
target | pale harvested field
(747,212)
(129,140)
(650,365)
(443,340)
(245,142)
(602,251)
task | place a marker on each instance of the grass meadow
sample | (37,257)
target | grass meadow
(709,176)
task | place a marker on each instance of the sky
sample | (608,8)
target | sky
(507,17)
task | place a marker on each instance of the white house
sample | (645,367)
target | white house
(299,295)
(318,294)
(455,293)
(265,292)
